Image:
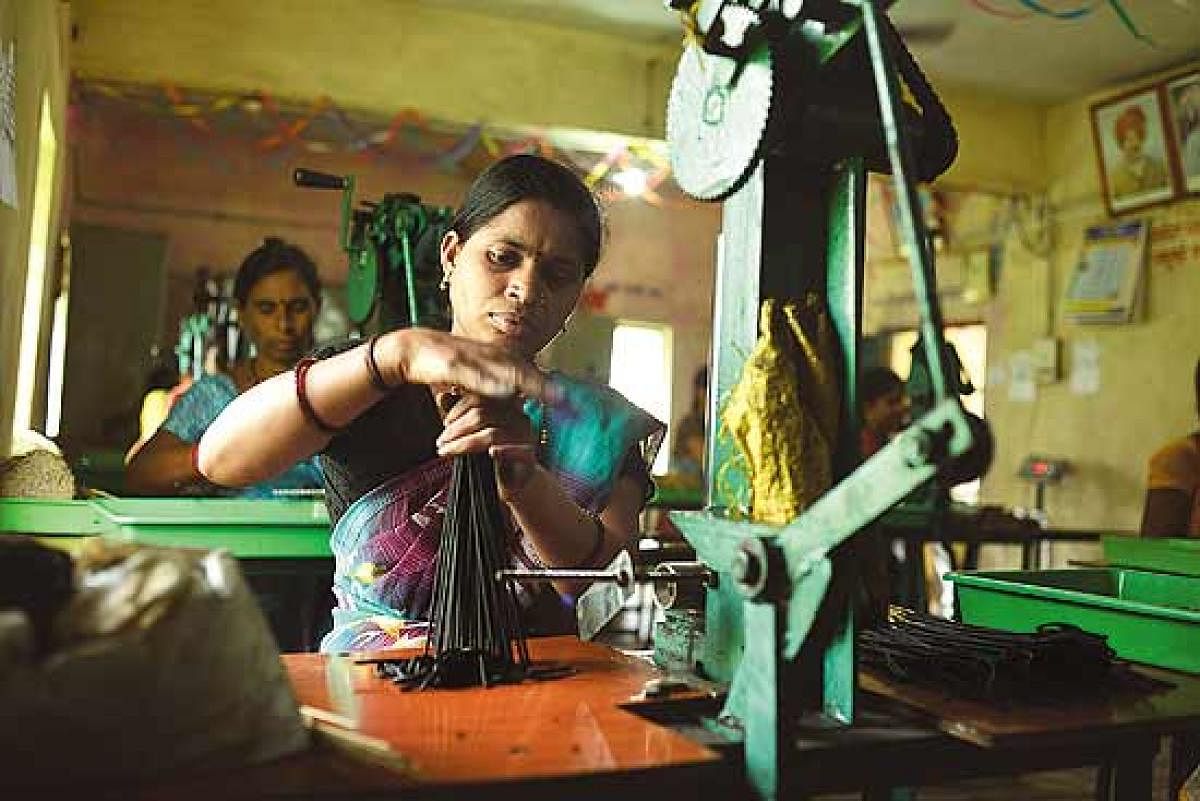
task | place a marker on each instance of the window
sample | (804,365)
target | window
(970,341)
(640,369)
(35,274)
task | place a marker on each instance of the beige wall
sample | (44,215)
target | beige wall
(385,55)
(39,29)
(1146,394)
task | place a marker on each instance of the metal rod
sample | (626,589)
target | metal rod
(621,578)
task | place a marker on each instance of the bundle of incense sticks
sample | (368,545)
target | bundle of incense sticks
(475,631)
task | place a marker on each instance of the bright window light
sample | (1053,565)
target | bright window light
(640,369)
(35,274)
(58,359)
(632,181)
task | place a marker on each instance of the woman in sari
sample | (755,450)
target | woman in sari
(387,416)
(278,295)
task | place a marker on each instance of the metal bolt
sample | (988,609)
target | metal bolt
(917,448)
(746,568)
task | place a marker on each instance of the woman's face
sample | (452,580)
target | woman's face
(517,278)
(278,316)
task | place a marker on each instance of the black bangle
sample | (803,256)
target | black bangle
(597,548)
(373,367)
(306,408)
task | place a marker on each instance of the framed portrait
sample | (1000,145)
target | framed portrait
(1132,150)
(1183,113)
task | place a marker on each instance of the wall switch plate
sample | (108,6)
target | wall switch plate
(1045,357)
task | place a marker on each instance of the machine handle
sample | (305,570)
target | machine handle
(311,179)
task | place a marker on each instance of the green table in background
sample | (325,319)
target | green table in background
(282,545)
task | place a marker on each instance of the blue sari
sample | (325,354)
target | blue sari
(385,545)
(195,411)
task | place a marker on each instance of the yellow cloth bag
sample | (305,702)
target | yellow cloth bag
(783,412)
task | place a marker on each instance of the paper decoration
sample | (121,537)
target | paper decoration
(1021,385)
(1085,367)
(1105,283)
(274,128)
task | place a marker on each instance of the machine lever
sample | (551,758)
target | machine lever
(311,179)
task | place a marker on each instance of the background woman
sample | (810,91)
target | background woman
(278,295)
(387,415)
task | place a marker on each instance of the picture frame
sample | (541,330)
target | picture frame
(1182,95)
(1132,150)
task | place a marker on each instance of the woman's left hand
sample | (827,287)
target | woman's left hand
(498,426)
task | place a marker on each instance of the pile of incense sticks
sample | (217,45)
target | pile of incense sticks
(475,632)
(1057,661)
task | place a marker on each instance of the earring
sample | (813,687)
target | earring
(445,283)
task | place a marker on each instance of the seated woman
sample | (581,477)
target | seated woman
(1172,507)
(387,415)
(278,294)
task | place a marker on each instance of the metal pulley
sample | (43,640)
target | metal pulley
(717,117)
(757,75)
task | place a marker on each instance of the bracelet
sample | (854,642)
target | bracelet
(373,367)
(195,459)
(597,547)
(306,408)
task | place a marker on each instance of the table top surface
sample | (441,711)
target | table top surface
(571,726)
(1172,708)
(580,734)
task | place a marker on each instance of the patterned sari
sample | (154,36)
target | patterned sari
(385,545)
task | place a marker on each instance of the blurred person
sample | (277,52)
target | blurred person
(277,293)
(884,406)
(1172,504)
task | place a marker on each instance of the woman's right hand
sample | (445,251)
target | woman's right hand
(439,359)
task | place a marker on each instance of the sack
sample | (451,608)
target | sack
(160,663)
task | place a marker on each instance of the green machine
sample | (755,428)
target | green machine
(778,109)
(392,249)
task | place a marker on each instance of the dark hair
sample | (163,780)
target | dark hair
(876,383)
(275,256)
(527,177)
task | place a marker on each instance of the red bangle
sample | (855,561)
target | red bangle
(306,408)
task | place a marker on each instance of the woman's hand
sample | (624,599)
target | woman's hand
(424,356)
(500,427)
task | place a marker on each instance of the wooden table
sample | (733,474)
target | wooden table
(571,737)
(592,735)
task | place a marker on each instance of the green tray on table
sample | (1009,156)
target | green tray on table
(60,523)
(248,528)
(1147,617)
(1161,555)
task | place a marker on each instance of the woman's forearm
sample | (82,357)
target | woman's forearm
(565,535)
(163,465)
(264,430)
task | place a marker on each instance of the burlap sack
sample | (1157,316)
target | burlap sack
(161,664)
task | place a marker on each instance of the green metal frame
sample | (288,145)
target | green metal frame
(779,623)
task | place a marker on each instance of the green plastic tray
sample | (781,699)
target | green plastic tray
(247,528)
(1172,555)
(1147,617)
(52,518)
